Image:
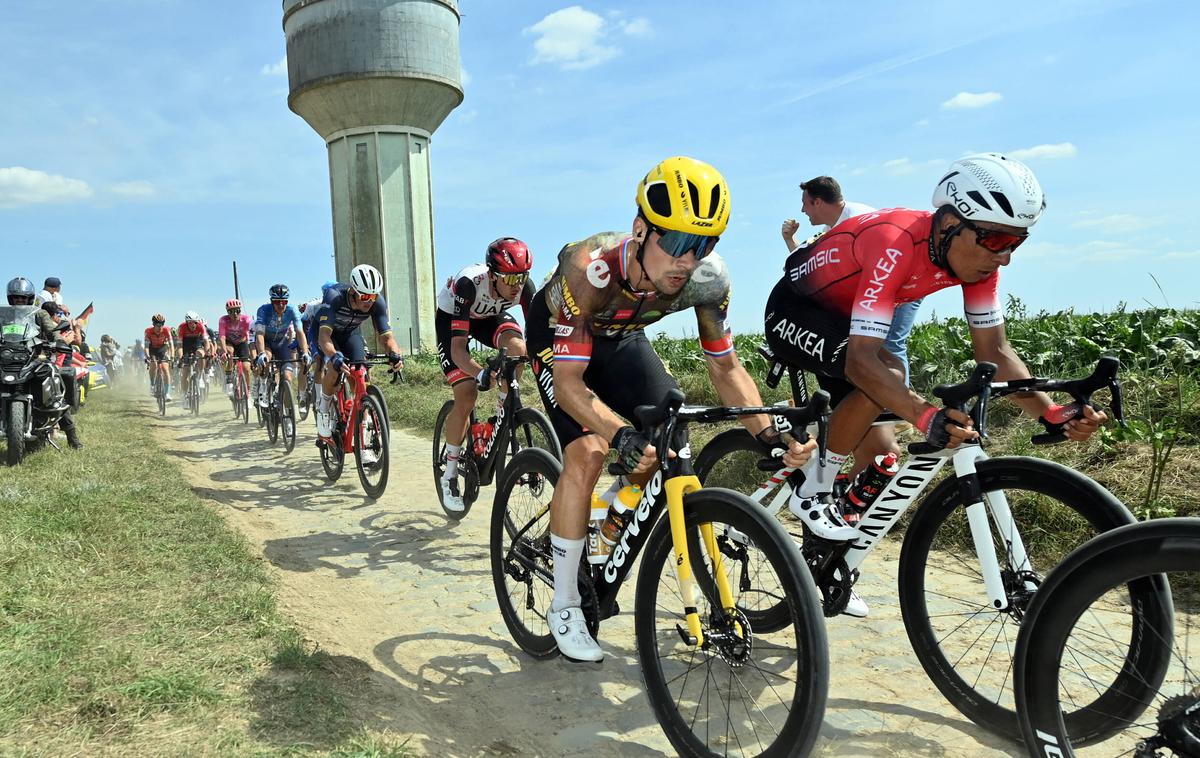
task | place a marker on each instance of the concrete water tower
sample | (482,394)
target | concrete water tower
(375,78)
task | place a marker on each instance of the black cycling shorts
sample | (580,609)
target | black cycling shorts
(486,331)
(811,337)
(240,350)
(191,345)
(159,353)
(624,373)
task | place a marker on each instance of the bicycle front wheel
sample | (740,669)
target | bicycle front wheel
(287,416)
(530,428)
(742,692)
(371,446)
(1077,681)
(965,645)
(522,563)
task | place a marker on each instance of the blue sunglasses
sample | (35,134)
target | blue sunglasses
(677,244)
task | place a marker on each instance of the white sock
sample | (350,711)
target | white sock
(818,478)
(326,402)
(452,452)
(567,554)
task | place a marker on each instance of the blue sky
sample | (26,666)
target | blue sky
(147,143)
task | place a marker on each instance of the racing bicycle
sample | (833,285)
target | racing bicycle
(719,682)
(972,558)
(1109,654)
(192,389)
(280,413)
(513,428)
(361,427)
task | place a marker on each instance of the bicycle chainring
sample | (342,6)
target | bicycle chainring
(834,580)
(468,469)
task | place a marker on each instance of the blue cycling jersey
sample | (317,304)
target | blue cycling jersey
(275,327)
(337,314)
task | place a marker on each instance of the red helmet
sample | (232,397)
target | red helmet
(231,304)
(509,255)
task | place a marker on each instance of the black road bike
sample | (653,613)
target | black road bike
(722,680)
(515,427)
(280,413)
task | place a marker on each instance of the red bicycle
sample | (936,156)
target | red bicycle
(362,427)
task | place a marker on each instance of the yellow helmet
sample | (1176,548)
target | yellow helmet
(685,195)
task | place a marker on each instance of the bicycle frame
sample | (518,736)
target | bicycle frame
(348,400)
(506,415)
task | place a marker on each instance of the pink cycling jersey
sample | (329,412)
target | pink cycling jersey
(867,265)
(235,331)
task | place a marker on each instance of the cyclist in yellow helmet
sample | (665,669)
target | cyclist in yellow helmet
(594,364)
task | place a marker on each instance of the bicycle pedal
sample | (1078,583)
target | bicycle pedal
(686,636)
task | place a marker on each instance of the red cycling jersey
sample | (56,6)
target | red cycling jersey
(157,336)
(192,329)
(865,266)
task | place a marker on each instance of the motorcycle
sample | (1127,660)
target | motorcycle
(34,392)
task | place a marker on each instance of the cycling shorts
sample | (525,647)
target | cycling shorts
(283,350)
(808,336)
(624,372)
(241,350)
(351,345)
(192,345)
(159,353)
(486,331)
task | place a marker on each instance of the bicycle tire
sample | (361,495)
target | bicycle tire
(287,416)
(522,492)
(794,718)
(161,394)
(439,460)
(374,433)
(530,428)
(730,460)
(1050,649)
(333,458)
(1068,496)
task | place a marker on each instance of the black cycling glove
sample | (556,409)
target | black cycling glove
(630,444)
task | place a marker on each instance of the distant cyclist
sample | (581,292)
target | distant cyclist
(160,346)
(233,332)
(193,342)
(339,339)
(474,303)
(277,333)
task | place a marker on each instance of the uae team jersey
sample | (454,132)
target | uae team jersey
(867,265)
(469,295)
(587,297)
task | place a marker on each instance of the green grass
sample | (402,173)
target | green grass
(133,620)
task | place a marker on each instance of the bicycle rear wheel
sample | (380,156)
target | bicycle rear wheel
(522,563)
(530,428)
(160,392)
(744,691)
(371,446)
(1079,682)
(287,415)
(965,645)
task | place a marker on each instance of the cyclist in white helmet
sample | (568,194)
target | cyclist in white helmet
(342,311)
(831,312)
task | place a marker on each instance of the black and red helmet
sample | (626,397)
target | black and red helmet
(509,255)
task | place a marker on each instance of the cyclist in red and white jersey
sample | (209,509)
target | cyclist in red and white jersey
(475,303)
(160,345)
(594,364)
(832,310)
(193,340)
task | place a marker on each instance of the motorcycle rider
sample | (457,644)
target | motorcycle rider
(20,292)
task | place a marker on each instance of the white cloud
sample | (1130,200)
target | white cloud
(972,100)
(276,69)
(638,27)
(1059,150)
(1181,255)
(904,166)
(571,38)
(23,186)
(133,190)
(1116,223)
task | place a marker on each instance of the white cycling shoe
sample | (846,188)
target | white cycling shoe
(324,424)
(451,500)
(570,632)
(821,518)
(856,606)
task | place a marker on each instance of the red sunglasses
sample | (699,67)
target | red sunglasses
(994,240)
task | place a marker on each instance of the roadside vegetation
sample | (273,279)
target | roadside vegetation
(133,621)
(1151,465)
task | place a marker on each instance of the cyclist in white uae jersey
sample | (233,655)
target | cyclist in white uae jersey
(475,303)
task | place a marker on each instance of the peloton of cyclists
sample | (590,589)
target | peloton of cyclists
(832,310)
(160,346)
(474,303)
(594,364)
(339,338)
(277,333)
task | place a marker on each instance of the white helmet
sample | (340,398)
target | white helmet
(191,316)
(991,187)
(366,280)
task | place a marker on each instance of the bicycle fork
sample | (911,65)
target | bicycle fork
(981,530)
(676,488)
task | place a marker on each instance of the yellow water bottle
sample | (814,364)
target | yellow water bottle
(620,513)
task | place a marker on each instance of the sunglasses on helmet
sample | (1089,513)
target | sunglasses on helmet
(676,244)
(995,240)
